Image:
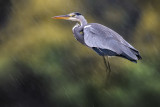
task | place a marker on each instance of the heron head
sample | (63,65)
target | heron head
(75,16)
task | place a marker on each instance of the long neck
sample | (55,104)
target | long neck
(78,30)
(83,21)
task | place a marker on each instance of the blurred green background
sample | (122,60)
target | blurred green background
(42,65)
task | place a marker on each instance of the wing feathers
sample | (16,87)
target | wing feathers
(107,42)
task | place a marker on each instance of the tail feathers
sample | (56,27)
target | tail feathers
(139,57)
(132,55)
(136,53)
(124,55)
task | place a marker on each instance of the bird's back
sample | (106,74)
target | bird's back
(107,32)
(105,41)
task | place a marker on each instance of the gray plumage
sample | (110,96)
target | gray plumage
(107,42)
(102,39)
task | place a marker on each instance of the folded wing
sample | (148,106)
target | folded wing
(107,42)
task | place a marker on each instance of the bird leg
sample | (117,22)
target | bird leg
(107,65)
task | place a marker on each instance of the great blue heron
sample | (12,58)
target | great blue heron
(101,39)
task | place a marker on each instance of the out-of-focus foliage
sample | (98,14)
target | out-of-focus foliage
(42,65)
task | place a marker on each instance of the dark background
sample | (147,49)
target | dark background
(42,65)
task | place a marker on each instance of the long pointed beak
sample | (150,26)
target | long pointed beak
(61,17)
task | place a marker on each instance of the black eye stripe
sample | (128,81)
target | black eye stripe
(77,13)
(74,14)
